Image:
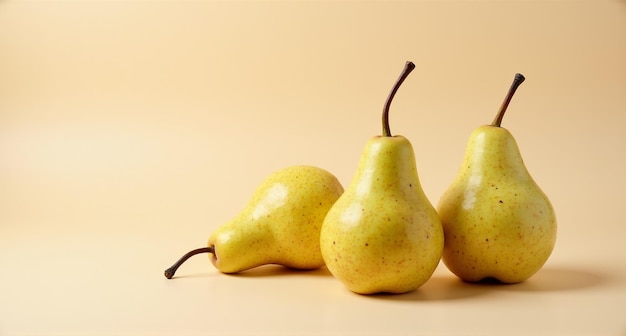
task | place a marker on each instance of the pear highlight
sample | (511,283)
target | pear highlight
(498,223)
(280,225)
(383,235)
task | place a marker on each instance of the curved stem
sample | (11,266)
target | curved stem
(408,67)
(169,273)
(519,79)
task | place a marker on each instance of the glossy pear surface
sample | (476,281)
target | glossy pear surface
(281,223)
(498,223)
(383,234)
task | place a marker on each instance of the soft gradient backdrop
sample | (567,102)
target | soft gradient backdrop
(131,130)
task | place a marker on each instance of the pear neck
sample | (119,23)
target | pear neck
(387,164)
(493,151)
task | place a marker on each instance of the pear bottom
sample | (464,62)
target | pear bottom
(489,257)
(392,276)
(384,256)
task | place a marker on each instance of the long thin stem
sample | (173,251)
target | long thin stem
(519,79)
(169,273)
(408,67)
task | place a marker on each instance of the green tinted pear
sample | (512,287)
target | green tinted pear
(498,223)
(383,234)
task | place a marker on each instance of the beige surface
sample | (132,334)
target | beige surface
(130,130)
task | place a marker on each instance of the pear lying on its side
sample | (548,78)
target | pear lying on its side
(280,225)
(497,222)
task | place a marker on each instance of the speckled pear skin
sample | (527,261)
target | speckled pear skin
(497,222)
(383,235)
(281,223)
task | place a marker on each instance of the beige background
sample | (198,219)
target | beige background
(131,130)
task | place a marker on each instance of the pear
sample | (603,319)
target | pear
(383,235)
(498,223)
(280,224)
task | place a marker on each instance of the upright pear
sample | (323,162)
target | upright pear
(280,225)
(383,234)
(498,223)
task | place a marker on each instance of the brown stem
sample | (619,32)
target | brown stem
(408,67)
(519,79)
(169,273)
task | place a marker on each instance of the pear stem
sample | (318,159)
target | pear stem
(519,79)
(408,67)
(169,273)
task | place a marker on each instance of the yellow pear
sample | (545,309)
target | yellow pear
(383,234)
(498,223)
(280,225)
